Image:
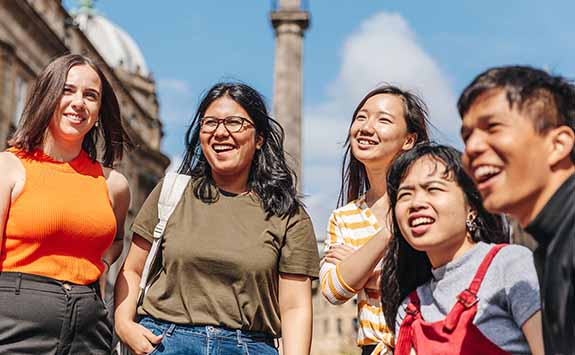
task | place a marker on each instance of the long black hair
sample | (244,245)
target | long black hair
(354,181)
(270,177)
(43,98)
(404,268)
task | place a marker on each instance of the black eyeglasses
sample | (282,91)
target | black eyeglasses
(232,123)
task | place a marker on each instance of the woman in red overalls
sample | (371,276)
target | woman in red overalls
(446,287)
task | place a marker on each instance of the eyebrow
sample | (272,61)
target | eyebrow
(380,112)
(481,119)
(88,89)
(425,184)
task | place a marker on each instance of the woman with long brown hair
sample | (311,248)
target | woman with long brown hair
(61,213)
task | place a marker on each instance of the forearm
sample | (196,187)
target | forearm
(296,331)
(126,297)
(356,269)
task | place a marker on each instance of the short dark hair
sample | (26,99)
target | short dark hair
(548,100)
(404,268)
(270,177)
(43,98)
(353,175)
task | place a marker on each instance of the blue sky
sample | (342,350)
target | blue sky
(432,47)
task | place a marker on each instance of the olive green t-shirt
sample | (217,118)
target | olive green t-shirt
(221,261)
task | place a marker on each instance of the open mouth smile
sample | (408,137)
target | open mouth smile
(420,224)
(485,174)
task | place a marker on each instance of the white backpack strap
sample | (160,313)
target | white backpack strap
(172,190)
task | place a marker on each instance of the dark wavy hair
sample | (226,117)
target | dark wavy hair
(548,100)
(354,181)
(43,98)
(404,268)
(270,177)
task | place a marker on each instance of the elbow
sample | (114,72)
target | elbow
(331,298)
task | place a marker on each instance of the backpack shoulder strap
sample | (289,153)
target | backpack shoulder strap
(173,188)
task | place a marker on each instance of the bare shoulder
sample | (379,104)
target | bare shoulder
(117,184)
(10,164)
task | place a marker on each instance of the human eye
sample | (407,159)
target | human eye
(91,95)
(209,122)
(403,195)
(68,89)
(361,117)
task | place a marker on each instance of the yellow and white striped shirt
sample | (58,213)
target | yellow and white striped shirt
(354,224)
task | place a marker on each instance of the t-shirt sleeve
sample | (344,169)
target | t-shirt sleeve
(333,286)
(147,217)
(299,254)
(520,280)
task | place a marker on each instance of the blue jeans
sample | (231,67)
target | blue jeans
(207,340)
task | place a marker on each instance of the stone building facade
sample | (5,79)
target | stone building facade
(33,32)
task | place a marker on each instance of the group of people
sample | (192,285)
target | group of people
(421,236)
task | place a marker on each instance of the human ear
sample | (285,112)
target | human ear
(409,141)
(562,140)
(259,141)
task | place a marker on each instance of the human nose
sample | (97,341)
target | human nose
(77,102)
(418,202)
(221,129)
(474,145)
(367,126)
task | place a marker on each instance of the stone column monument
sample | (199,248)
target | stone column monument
(289,21)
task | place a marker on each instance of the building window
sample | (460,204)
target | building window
(20,90)
(326,326)
(339,328)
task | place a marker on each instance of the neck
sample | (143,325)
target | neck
(60,150)
(448,253)
(535,205)
(233,184)
(377,184)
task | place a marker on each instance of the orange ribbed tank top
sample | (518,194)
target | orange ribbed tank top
(62,221)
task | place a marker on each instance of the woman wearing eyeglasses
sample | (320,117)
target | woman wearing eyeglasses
(239,251)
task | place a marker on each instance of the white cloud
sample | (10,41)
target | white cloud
(383,49)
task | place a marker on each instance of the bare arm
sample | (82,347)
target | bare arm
(119,192)
(11,182)
(356,267)
(296,313)
(533,331)
(138,338)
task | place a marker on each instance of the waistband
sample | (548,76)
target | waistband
(22,281)
(212,331)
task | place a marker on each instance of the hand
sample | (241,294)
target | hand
(337,253)
(373,283)
(140,339)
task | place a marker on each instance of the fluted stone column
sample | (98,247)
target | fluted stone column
(289,22)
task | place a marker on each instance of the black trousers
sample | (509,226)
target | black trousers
(40,315)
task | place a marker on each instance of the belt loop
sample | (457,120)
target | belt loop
(171,329)
(239,336)
(18,284)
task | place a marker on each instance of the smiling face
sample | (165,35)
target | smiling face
(230,155)
(431,211)
(505,155)
(379,131)
(79,106)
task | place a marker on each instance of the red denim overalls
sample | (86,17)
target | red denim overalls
(456,334)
